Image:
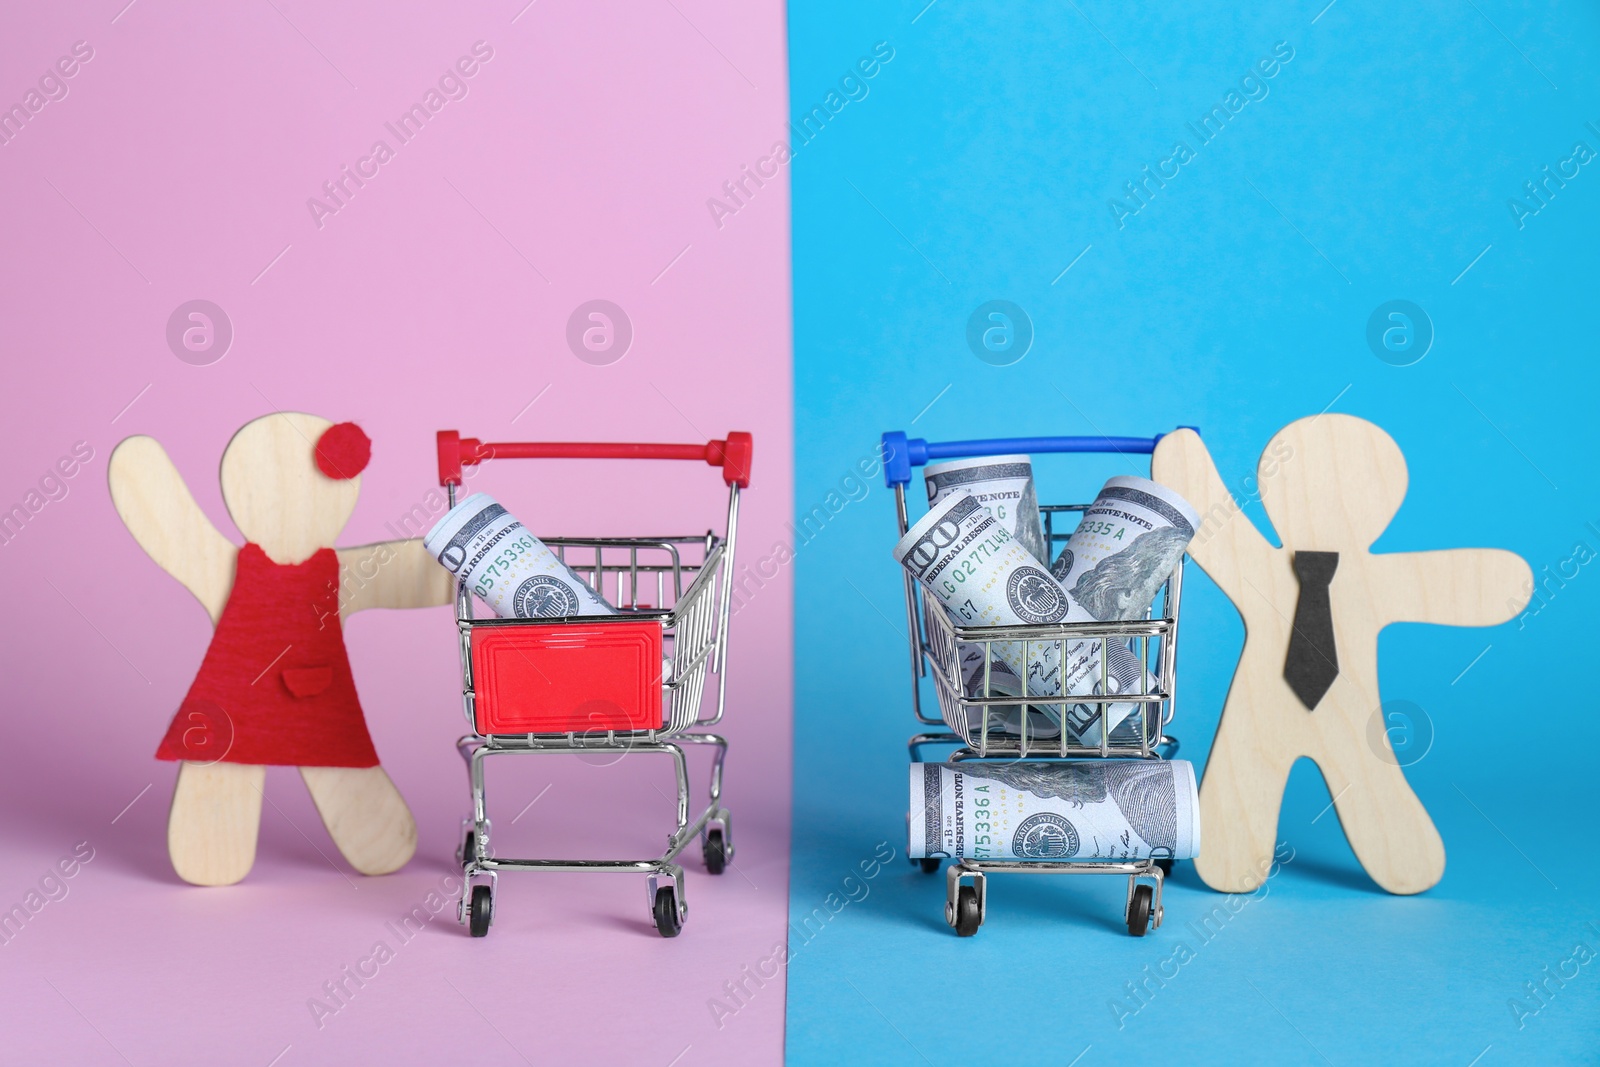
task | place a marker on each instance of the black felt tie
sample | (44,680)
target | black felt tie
(1313,663)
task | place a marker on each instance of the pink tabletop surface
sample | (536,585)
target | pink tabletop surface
(175,164)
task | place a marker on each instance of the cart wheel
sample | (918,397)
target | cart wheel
(968,916)
(929,864)
(668,921)
(715,850)
(469,846)
(1166,866)
(1139,910)
(482,910)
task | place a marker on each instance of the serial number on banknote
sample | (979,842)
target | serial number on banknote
(982,828)
(501,564)
(968,568)
(1105,529)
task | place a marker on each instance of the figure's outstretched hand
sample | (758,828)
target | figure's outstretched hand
(1453,587)
(392,574)
(1227,543)
(161,513)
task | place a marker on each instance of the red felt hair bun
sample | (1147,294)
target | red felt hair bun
(343,451)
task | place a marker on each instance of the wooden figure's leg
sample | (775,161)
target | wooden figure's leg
(365,815)
(215,817)
(1239,802)
(1387,827)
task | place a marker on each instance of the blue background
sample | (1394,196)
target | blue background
(1378,167)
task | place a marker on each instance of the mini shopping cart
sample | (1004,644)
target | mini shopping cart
(639,681)
(938,647)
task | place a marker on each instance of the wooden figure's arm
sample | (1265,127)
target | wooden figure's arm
(161,513)
(1227,545)
(392,574)
(1452,587)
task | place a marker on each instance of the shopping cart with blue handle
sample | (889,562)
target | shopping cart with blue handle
(967,698)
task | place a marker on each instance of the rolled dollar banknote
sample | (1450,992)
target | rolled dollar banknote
(1084,810)
(983,576)
(1128,542)
(1125,547)
(961,553)
(1044,722)
(1123,672)
(1126,675)
(507,567)
(1002,681)
(1004,485)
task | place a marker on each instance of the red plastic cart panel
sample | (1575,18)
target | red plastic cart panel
(552,679)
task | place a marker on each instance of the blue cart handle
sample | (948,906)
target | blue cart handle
(901,453)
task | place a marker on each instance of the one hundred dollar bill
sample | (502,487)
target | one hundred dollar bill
(962,554)
(1034,810)
(1115,562)
(507,567)
(1126,545)
(1004,485)
(972,565)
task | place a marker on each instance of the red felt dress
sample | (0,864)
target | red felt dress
(275,685)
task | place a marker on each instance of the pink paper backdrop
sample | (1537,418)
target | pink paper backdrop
(574,164)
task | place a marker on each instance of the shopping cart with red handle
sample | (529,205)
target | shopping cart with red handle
(641,680)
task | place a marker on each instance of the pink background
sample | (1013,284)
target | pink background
(178,167)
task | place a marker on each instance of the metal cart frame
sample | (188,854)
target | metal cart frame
(936,644)
(693,634)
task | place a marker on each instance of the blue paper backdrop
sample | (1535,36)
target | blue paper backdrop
(1378,162)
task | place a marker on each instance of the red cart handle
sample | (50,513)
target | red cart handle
(732,454)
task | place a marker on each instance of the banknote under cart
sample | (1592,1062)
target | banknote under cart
(937,645)
(651,678)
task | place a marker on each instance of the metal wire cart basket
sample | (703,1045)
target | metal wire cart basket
(647,679)
(984,724)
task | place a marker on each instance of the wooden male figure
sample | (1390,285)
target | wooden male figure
(1307,680)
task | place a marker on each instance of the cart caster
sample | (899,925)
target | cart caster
(669,917)
(469,849)
(714,847)
(967,915)
(1139,910)
(481,911)
(928,864)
